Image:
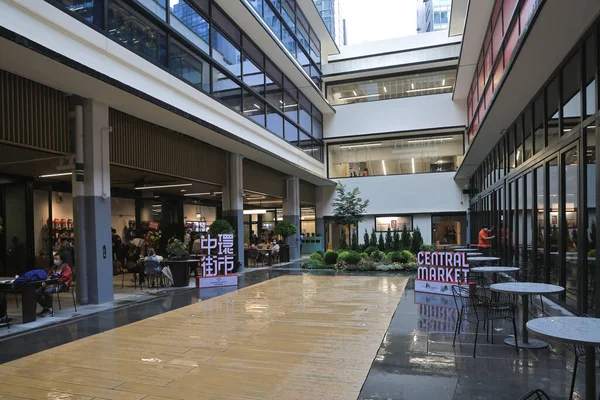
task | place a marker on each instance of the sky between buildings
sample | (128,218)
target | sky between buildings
(370,20)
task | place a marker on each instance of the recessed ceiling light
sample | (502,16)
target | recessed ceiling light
(162,186)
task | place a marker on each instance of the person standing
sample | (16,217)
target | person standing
(485,237)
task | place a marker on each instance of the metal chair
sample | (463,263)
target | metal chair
(153,269)
(468,304)
(526,274)
(69,289)
(253,256)
(579,351)
(537,394)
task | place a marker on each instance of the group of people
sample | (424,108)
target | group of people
(269,256)
(353,174)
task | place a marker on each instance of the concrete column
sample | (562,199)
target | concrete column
(233,202)
(96,203)
(320,214)
(79,211)
(291,212)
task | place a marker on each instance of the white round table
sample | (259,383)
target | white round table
(577,330)
(474,254)
(465,250)
(525,289)
(477,259)
(494,270)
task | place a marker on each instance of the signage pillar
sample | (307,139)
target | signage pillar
(233,203)
(291,212)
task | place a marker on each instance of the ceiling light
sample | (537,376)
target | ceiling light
(360,97)
(198,215)
(256,198)
(215,193)
(429,89)
(257,106)
(55,175)
(183,190)
(429,139)
(162,186)
(383,165)
(354,91)
(518,154)
(384,89)
(351,146)
(197,194)
(251,212)
(413,164)
(443,82)
(412,85)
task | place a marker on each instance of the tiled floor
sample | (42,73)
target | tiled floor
(293,337)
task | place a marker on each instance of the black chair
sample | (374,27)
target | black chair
(537,394)
(69,289)
(469,305)
(5,311)
(579,352)
(252,256)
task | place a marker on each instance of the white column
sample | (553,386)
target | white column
(291,212)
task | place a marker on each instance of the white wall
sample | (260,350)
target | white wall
(405,194)
(62,208)
(422,221)
(397,115)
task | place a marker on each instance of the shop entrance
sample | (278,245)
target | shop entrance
(448,229)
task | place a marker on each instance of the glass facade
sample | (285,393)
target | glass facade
(508,22)
(287,22)
(392,87)
(397,156)
(198,43)
(542,200)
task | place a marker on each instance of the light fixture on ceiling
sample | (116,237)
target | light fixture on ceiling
(352,146)
(360,97)
(198,215)
(413,165)
(55,175)
(429,89)
(412,85)
(518,154)
(429,139)
(383,165)
(251,212)
(162,186)
(256,198)
(197,194)
(183,190)
(444,82)
(216,193)
(354,91)
(384,89)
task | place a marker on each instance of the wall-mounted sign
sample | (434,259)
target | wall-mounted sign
(394,224)
(438,271)
(217,262)
(153,225)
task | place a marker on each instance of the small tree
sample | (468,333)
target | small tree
(405,238)
(285,228)
(373,241)
(381,244)
(348,208)
(220,226)
(354,240)
(396,241)
(417,241)
(592,235)
(342,245)
(388,240)
(366,239)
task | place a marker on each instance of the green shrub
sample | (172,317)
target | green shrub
(364,255)
(592,253)
(417,241)
(330,257)
(353,257)
(370,250)
(312,263)
(429,247)
(342,256)
(396,257)
(378,255)
(316,256)
(320,252)
(405,256)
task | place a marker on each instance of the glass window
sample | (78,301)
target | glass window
(538,121)
(257,5)
(519,141)
(288,14)
(552,111)
(254,108)
(225,53)
(528,219)
(288,41)
(225,25)
(191,24)
(191,68)
(569,218)
(274,93)
(397,156)
(305,120)
(394,223)
(274,121)
(511,147)
(590,75)
(554,223)
(307,144)
(391,87)
(590,232)
(541,224)
(253,76)
(290,107)
(157,7)
(291,132)
(317,129)
(527,133)
(497,36)
(135,32)
(272,20)
(226,90)
(571,81)
(90,10)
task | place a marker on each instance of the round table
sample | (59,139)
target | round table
(577,330)
(494,270)
(474,254)
(464,250)
(525,289)
(477,259)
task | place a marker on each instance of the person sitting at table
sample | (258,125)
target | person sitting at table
(151,256)
(60,270)
(273,253)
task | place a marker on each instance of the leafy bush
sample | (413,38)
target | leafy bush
(342,256)
(352,258)
(285,228)
(396,257)
(417,241)
(378,255)
(405,256)
(370,250)
(330,257)
(316,256)
(364,255)
(313,263)
(592,253)
(220,226)
(429,247)
(320,252)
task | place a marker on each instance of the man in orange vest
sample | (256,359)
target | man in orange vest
(484,239)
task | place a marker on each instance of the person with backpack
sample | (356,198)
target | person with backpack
(61,271)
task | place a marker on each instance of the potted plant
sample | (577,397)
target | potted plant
(285,229)
(177,250)
(220,226)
